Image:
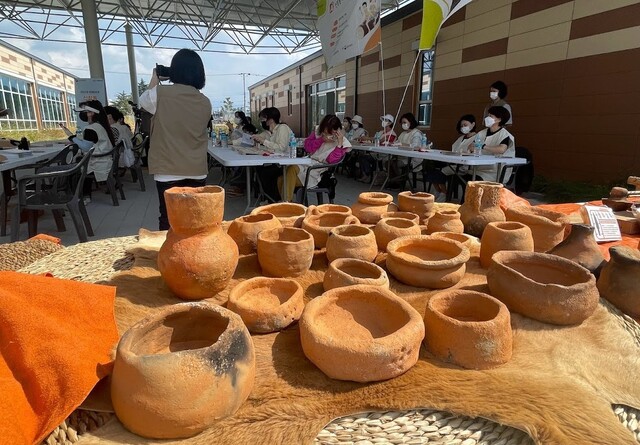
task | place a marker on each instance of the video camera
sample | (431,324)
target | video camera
(163,72)
(137,112)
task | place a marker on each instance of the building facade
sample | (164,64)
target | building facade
(572,68)
(38,95)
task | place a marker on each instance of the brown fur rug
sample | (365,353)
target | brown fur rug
(558,387)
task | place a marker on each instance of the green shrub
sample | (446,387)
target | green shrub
(557,191)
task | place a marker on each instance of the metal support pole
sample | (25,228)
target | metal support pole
(92,37)
(133,74)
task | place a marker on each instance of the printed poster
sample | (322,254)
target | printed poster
(434,14)
(348,28)
(90,89)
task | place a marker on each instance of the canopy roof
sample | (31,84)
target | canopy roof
(231,26)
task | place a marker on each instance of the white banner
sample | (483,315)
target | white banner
(348,28)
(90,89)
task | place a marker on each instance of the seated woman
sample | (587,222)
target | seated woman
(347,127)
(248,129)
(121,133)
(497,141)
(384,137)
(326,146)
(275,140)
(358,128)
(240,119)
(410,137)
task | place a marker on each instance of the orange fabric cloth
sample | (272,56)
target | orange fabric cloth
(45,237)
(56,338)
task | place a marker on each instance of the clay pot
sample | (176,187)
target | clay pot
(389,229)
(244,230)
(427,261)
(546,226)
(371,206)
(290,214)
(181,369)
(349,272)
(285,252)
(361,333)
(481,206)
(580,246)
(470,242)
(328,208)
(445,221)
(544,287)
(420,203)
(507,235)
(405,215)
(267,304)
(619,282)
(468,328)
(351,241)
(197,259)
(320,224)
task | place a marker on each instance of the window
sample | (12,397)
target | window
(290,102)
(51,107)
(426,88)
(326,97)
(273,100)
(71,102)
(15,95)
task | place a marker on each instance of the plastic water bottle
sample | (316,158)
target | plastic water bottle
(214,140)
(477,145)
(223,139)
(376,140)
(423,143)
(293,146)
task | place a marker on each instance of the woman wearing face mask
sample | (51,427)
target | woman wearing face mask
(240,120)
(497,141)
(276,140)
(385,137)
(358,128)
(347,127)
(411,136)
(497,93)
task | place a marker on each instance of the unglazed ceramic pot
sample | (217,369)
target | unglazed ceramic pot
(361,333)
(405,215)
(351,241)
(389,229)
(427,261)
(371,206)
(198,258)
(580,246)
(244,230)
(420,203)
(470,242)
(445,221)
(320,224)
(546,226)
(544,287)
(285,252)
(181,369)
(349,271)
(505,235)
(481,206)
(328,208)
(468,328)
(619,280)
(267,304)
(290,214)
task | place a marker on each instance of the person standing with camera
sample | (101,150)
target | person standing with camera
(178,140)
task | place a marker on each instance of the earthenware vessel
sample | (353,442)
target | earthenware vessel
(180,370)
(445,221)
(405,215)
(371,206)
(198,258)
(619,280)
(267,304)
(349,271)
(546,226)
(580,246)
(505,235)
(351,241)
(285,252)
(544,287)
(470,242)
(427,261)
(481,206)
(244,230)
(290,214)
(328,208)
(468,328)
(361,333)
(420,203)
(389,229)
(320,224)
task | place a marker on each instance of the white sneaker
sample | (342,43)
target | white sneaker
(441,197)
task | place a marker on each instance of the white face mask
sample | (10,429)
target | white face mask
(355,125)
(465,130)
(237,120)
(385,123)
(493,95)
(405,126)
(489,121)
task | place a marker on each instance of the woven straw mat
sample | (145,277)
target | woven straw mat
(13,256)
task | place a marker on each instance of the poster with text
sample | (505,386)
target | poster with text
(348,28)
(434,14)
(89,89)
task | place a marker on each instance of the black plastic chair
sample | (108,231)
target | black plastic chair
(302,194)
(57,196)
(521,175)
(136,169)
(113,179)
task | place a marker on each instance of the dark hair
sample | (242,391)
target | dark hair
(501,87)
(270,113)
(467,117)
(101,118)
(116,115)
(348,119)
(249,128)
(244,120)
(500,112)
(187,69)
(413,123)
(329,122)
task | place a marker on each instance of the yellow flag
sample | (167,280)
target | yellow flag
(434,14)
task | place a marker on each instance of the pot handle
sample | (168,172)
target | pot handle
(312,210)
(351,220)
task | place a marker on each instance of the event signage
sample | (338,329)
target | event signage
(434,14)
(90,89)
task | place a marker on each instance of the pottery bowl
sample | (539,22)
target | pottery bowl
(542,286)
(349,271)
(290,214)
(244,230)
(371,205)
(468,328)
(469,241)
(375,198)
(427,261)
(361,333)
(329,208)
(404,215)
(319,225)
(285,252)
(420,203)
(547,227)
(207,346)
(267,304)
(351,241)
(389,229)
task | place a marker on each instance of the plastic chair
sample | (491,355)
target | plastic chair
(56,197)
(521,175)
(303,192)
(136,169)
(113,179)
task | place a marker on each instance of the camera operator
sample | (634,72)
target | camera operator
(178,150)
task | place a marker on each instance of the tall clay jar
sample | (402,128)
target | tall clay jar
(351,241)
(481,206)
(198,258)
(619,280)
(499,236)
(420,203)
(371,206)
(445,221)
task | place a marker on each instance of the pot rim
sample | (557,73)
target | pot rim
(312,220)
(375,198)
(337,231)
(301,209)
(339,208)
(403,215)
(391,221)
(337,264)
(419,196)
(473,297)
(486,184)
(446,235)
(505,227)
(240,290)
(537,216)
(191,191)
(453,262)
(263,233)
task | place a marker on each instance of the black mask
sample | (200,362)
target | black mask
(83,116)
(264,125)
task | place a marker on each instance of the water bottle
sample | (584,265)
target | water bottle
(214,140)
(293,146)
(477,145)
(223,138)
(423,143)
(376,140)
